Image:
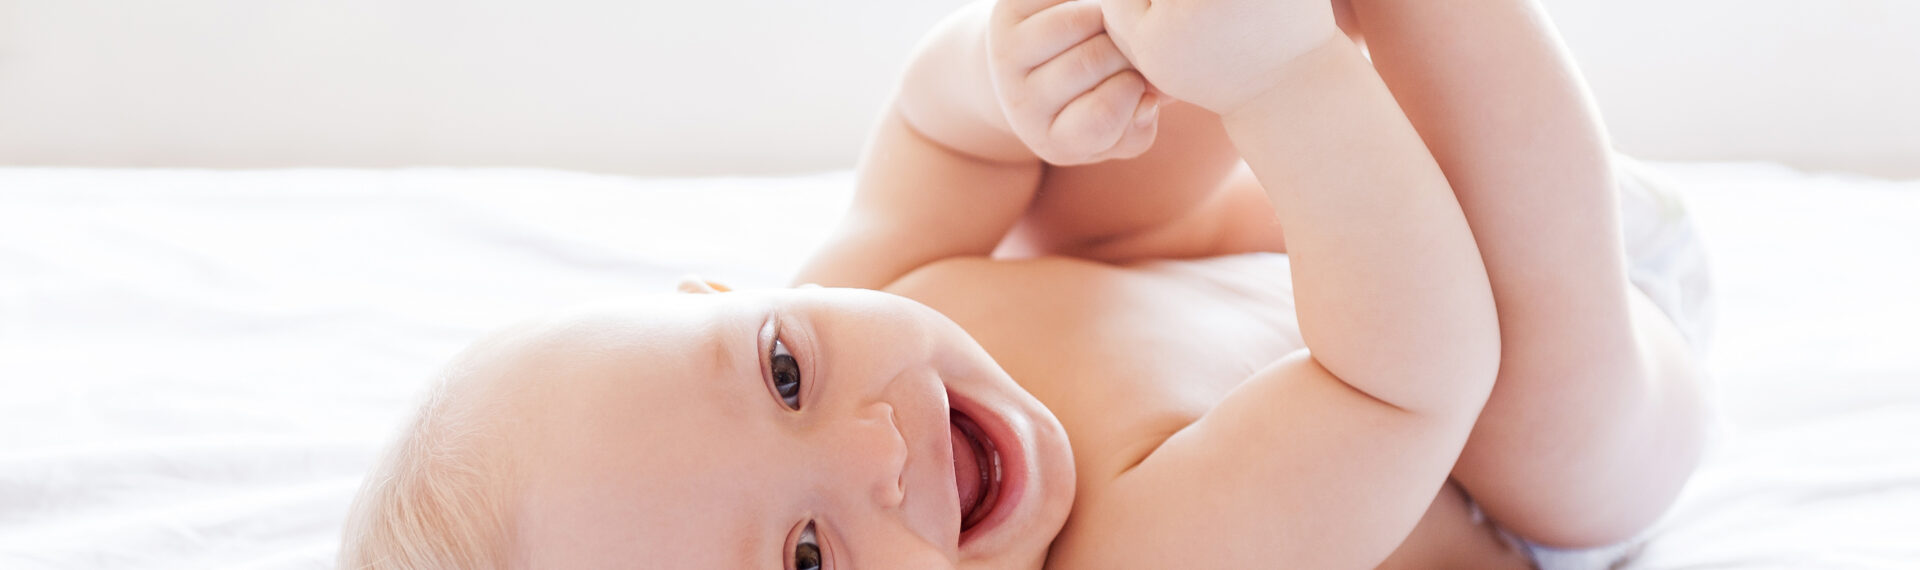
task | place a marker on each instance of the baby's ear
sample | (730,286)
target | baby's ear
(694,284)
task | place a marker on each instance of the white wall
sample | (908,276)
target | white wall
(626,86)
(736,86)
(1822,84)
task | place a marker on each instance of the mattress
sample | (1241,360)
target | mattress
(196,367)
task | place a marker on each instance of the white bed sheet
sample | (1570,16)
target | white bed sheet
(197,366)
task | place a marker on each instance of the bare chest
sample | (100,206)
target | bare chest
(1123,356)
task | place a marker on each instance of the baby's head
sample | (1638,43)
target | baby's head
(836,428)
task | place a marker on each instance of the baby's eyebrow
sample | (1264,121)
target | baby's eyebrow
(749,551)
(751,546)
(723,351)
(721,360)
(730,348)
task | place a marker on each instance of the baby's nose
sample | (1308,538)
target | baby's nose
(873,454)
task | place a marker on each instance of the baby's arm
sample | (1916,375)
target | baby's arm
(1328,457)
(993,91)
(941,176)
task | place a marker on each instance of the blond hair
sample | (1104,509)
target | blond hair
(438,496)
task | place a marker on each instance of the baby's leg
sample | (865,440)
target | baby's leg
(1596,418)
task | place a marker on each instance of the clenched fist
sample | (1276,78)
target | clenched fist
(1067,90)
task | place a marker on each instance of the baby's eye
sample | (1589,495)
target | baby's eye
(786,374)
(806,550)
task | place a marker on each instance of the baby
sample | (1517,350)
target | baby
(1090,351)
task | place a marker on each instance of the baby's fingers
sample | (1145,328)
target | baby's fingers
(1099,118)
(1077,71)
(1035,38)
(1122,16)
(1140,134)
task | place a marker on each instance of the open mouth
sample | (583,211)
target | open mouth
(976,470)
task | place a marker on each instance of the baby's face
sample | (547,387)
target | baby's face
(828,428)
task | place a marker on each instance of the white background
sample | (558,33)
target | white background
(773,86)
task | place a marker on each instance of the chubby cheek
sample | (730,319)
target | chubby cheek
(877,348)
(898,552)
(928,559)
(880,371)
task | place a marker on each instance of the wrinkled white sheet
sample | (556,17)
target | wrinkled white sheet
(197,366)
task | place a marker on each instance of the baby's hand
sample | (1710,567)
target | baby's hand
(1217,54)
(1067,91)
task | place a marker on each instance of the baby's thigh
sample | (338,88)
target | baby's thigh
(1580,460)
(1453,534)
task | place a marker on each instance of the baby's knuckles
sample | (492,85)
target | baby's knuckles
(1108,112)
(1067,26)
(1056,36)
(1217,54)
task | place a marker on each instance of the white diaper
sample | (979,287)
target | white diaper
(1665,257)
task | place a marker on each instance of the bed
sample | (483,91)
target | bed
(197,366)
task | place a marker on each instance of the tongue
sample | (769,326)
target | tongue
(966,472)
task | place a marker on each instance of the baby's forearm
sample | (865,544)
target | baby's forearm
(915,202)
(1391,293)
(947,93)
